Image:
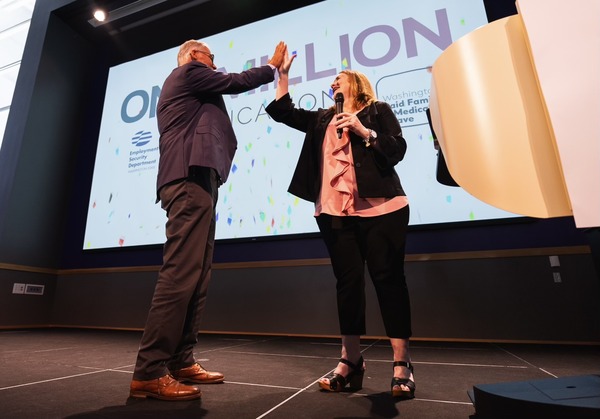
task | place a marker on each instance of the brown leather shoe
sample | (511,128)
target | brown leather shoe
(195,373)
(164,388)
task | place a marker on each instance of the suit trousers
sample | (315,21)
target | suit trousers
(380,243)
(172,325)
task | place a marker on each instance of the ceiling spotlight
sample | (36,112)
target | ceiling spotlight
(100,15)
(137,6)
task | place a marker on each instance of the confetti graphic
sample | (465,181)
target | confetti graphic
(254,201)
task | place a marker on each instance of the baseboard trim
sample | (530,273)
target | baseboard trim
(424,257)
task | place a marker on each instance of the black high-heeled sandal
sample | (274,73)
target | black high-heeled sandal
(399,382)
(354,379)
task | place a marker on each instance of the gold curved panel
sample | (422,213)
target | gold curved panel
(492,125)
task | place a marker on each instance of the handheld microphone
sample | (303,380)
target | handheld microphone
(339,108)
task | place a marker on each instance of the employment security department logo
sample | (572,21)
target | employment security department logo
(141,157)
(141,138)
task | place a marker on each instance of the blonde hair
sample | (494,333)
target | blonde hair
(361,89)
(186,48)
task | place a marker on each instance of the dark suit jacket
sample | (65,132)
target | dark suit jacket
(374,165)
(194,126)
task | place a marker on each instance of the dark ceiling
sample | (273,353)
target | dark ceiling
(166,24)
(169,23)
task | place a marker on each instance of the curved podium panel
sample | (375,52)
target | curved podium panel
(492,125)
(515,105)
(564,45)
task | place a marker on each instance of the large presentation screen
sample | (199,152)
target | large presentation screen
(393,42)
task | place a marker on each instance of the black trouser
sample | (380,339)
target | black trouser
(380,242)
(180,294)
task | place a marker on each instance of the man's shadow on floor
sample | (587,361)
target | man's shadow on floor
(147,408)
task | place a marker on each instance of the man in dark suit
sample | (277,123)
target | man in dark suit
(197,145)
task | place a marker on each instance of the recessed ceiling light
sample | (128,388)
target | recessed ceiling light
(126,10)
(100,15)
(138,6)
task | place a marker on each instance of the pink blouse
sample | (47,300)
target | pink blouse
(339,194)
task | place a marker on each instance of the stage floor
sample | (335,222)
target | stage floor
(72,373)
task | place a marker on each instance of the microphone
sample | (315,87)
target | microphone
(339,108)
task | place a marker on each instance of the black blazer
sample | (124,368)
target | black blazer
(374,165)
(194,126)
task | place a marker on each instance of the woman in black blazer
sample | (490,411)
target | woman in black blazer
(346,167)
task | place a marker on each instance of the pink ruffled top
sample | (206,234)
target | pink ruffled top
(339,193)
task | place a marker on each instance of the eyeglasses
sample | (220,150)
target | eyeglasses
(211,56)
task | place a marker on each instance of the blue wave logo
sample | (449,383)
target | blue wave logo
(141,138)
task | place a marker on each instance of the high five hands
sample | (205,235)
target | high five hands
(278,56)
(286,63)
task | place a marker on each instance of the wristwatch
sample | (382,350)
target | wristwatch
(372,136)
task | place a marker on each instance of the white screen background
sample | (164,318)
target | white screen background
(327,37)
